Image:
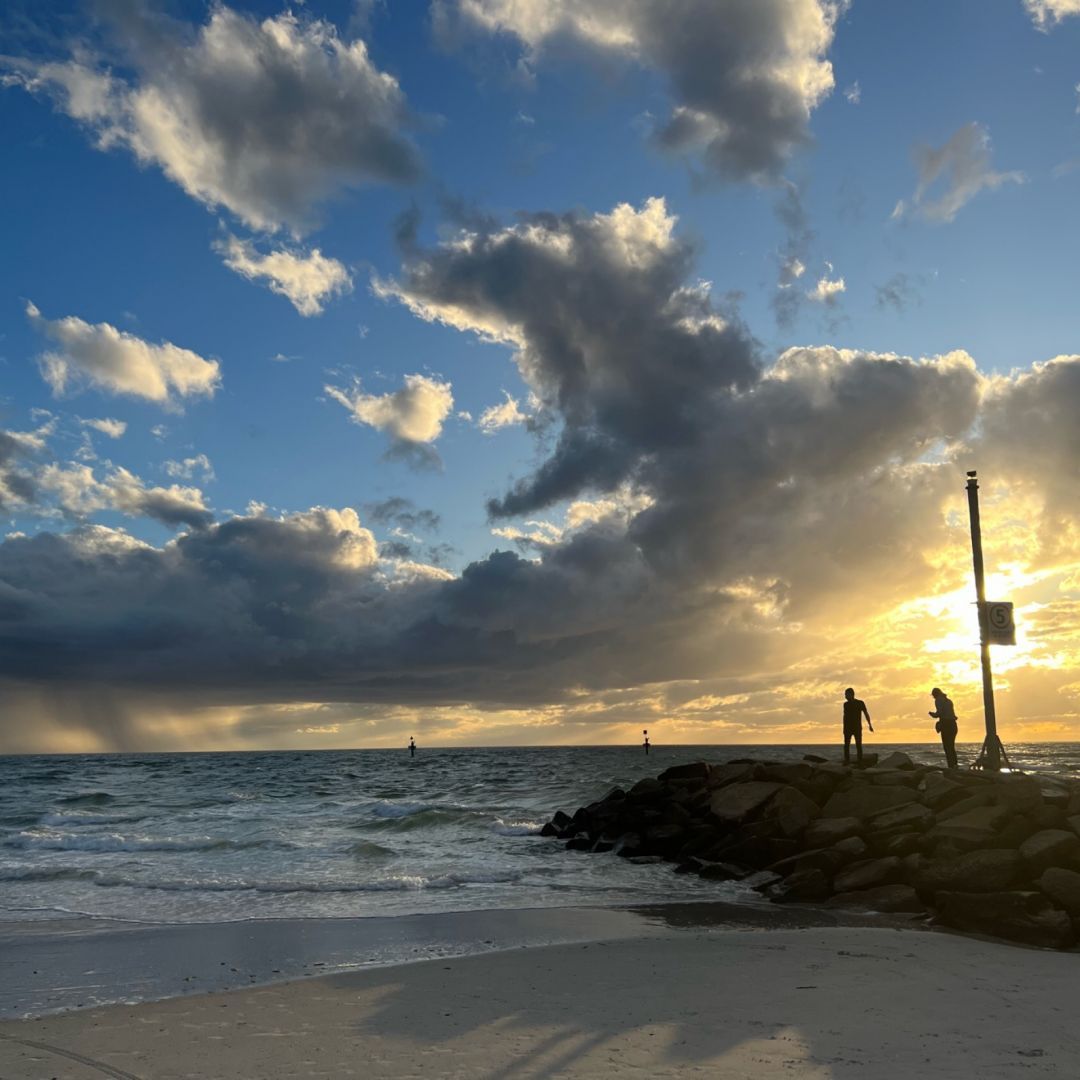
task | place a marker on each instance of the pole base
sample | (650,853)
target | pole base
(992,756)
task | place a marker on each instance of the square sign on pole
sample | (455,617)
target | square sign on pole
(1000,628)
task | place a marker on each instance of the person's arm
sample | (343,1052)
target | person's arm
(866,713)
(933,714)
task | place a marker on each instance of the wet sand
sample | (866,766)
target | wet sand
(818,1001)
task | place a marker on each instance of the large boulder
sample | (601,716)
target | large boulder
(792,810)
(1063,887)
(694,770)
(722,775)
(976,871)
(796,772)
(802,887)
(1073,822)
(737,802)
(1051,847)
(976,828)
(866,874)
(826,831)
(896,760)
(850,848)
(864,801)
(884,898)
(1028,917)
(648,789)
(971,801)
(911,817)
(938,791)
(1020,794)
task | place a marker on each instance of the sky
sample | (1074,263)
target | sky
(533,371)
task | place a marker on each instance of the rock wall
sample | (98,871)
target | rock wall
(994,854)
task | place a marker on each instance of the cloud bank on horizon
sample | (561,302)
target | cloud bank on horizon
(710,528)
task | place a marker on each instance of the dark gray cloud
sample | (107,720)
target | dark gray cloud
(745,75)
(609,333)
(901,292)
(268,119)
(403,513)
(17,484)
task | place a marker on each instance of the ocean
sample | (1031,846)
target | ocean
(224,837)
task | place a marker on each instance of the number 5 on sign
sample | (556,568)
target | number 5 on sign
(1000,628)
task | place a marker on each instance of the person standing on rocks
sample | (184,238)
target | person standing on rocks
(946,726)
(854,711)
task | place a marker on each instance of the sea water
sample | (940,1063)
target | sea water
(184,838)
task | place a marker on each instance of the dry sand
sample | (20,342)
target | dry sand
(813,1003)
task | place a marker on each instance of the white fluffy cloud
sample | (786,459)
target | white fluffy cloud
(187,468)
(267,119)
(414,414)
(307,279)
(1048,12)
(121,363)
(827,291)
(77,492)
(745,74)
(962,166)
(106,426)
(506,414)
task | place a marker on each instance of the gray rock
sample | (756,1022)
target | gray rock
(645,860)
(1051,847)
(867,874)
(850,848)
(785,772)
(1073,823)
(693,770)
(972,829)
(896,760)
(1018,916)
(827,831)
(971,801)
(1063,887)
(722,775)
(864,801)
(938,791)
(815,759)
(802,887)
(975,871)
(1054,792)
(737,802)
(827,860)
(647,789)
(884,898)
(900,844)
(792,810)
(913,817)
(1020,794)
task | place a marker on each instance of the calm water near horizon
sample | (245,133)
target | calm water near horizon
(182,838)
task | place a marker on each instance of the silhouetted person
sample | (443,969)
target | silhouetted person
(412,747)
(945,715)
(854,711)
(646,744)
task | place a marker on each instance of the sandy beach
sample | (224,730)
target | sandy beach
(819,1002)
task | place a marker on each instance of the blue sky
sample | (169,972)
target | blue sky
(500,113)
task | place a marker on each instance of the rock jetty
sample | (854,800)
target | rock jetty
(991,854)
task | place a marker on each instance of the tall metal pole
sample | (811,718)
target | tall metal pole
(991,755)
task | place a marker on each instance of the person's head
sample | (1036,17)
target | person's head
(936,693)
(849,693)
